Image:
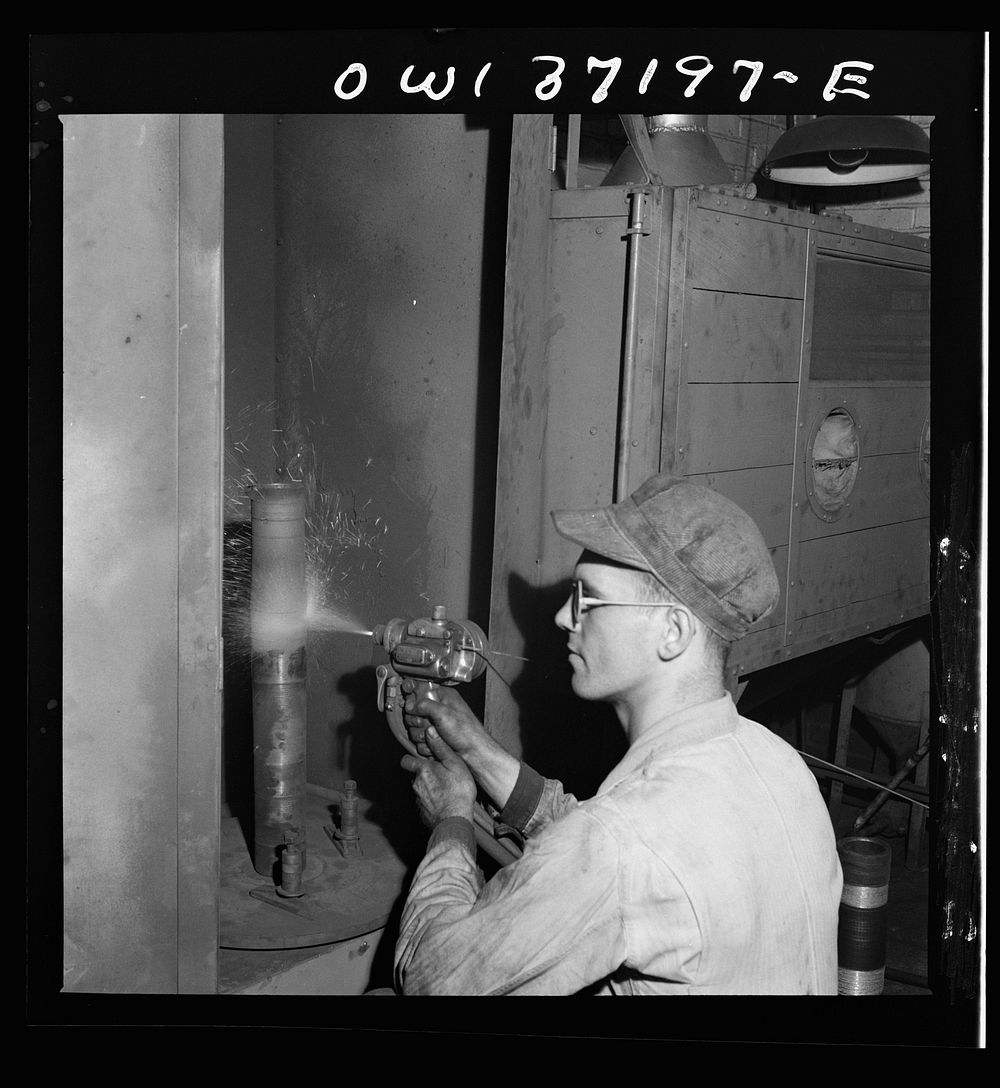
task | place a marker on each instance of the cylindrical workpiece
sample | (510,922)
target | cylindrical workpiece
(278,649)
(861,937)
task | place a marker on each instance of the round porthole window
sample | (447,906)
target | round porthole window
(924,462)
(832,463)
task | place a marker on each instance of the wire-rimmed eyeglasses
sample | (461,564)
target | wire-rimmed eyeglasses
(580,604)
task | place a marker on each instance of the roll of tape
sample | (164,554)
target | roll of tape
(861,937)
(864,898)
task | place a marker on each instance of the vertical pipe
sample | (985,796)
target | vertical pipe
(278,652)
(635,231)
(861,938)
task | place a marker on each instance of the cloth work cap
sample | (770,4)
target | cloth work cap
(697,543)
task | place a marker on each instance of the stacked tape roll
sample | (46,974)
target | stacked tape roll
(861,936)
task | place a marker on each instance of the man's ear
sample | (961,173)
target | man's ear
(677,632)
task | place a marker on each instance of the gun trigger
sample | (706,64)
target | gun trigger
(382,675)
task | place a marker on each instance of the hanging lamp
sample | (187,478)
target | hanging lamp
(850,150)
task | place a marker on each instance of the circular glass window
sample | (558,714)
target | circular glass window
(833,462)
(924,463)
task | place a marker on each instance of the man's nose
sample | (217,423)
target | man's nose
(564,617)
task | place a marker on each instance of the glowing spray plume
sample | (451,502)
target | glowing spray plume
(343,544)
(343,537)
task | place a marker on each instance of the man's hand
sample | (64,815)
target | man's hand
(443,785)
(494,769)
(449,713)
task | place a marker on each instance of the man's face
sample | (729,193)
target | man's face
(612,649)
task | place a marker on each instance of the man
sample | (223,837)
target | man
(705,863)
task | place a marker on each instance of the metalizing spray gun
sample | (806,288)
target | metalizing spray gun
(433,652)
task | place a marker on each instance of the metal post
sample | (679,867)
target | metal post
(635,232)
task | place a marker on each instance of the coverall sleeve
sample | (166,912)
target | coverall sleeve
(535,802)
(548,923)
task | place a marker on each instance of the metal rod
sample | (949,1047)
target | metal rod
(278,670)
(830,770)
(638,198)
(637,132)
(882,795)
(497,850)
(491,846)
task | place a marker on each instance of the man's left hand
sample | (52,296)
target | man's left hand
(443,784)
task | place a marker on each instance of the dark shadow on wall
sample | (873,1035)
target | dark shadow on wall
(491,326)
(237,695)
(562,736)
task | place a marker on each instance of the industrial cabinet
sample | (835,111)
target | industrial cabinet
(779,356)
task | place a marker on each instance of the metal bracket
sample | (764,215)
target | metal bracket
(638,219)
(348,845)
(268,894)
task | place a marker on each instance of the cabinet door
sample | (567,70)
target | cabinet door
(860,558)
(142,557)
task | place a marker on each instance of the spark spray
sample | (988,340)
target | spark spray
(344,534)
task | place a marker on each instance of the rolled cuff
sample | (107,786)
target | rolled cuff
(524,798)
(455,829)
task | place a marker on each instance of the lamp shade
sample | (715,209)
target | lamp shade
(683,154)
(849,151)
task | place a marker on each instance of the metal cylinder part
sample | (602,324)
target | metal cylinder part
(680,122)
(278,670)
(349,811)
(291,871)
(861,936)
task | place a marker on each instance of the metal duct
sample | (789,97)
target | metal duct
(683,151)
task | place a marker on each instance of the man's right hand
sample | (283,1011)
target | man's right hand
(449,713)
(493,767)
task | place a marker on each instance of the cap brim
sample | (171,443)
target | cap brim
(596,531)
